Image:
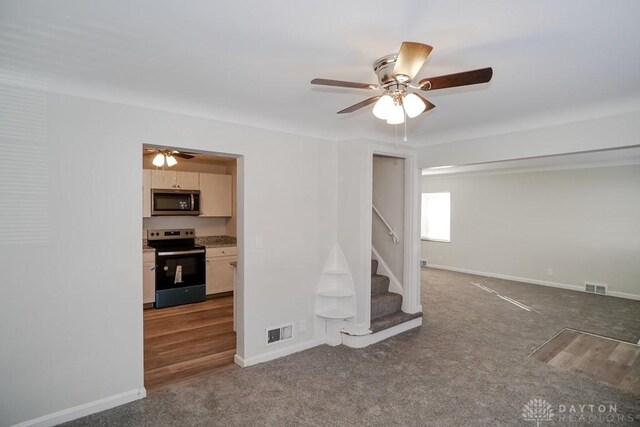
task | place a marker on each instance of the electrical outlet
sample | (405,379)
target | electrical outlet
(302,326)
(258,241)
(549,271)
(423,263)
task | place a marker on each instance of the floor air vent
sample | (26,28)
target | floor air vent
(281,333)
(595,288)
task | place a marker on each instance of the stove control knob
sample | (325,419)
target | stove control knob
(166,268)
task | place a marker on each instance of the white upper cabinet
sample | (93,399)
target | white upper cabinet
(216,190)
(216,195)
(187,180)
(174,180)
(162,179)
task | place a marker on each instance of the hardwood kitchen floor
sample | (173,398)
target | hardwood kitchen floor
(614,362)
(188,341)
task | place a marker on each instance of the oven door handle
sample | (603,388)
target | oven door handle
(194,251)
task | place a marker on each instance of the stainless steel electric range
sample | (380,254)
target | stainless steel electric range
(180,267)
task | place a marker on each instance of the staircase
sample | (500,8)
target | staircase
(385,306)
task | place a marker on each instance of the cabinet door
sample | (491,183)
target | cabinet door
(219,274)
(146,193)
(162,179)
(148,283)
(216,195)
(187,180)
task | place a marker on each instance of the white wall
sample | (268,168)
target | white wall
(582,223)
(71,312)
(354,220)
(388,197)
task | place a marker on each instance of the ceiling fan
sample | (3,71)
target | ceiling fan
(167,156)
(395,75)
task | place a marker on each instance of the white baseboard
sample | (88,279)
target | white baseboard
(623,295)
(533,281)
(360,341)
(276,354)
(85,409)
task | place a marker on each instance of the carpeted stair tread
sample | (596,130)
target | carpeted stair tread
(391,320)
(385,303)
(379,284)
(374,267)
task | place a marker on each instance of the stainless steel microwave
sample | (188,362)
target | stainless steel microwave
(175,202)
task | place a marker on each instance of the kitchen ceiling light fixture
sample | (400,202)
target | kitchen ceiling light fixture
(158,160)
(167,157)
(171,160)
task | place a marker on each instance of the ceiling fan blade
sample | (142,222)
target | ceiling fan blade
(183,155)
(359,105)
(411,58)
(465,78)
(340,83)
(426,102)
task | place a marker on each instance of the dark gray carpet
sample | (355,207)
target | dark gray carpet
(467,365)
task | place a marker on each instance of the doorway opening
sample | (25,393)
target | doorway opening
(394,291)
(190,257)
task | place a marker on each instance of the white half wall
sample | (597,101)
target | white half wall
(71,311)
(597,134)
(582,224)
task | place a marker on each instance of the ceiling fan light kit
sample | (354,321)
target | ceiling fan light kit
(395,73)
(396,114)
(167,157)
(158,160)
(171,160)
(413,105)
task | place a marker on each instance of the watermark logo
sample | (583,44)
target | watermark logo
(540,410)
(537,410)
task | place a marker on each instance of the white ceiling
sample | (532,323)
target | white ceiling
(251,62)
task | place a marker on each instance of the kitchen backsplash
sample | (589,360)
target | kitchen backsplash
(203,226)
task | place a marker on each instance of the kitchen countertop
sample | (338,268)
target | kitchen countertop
(216,241)
(207,241)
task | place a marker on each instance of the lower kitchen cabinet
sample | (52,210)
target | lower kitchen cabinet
(219,273)
(148,278)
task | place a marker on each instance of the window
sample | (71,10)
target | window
(436,217)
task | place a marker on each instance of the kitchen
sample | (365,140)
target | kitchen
(189,258)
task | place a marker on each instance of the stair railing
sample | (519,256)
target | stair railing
(392,232)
